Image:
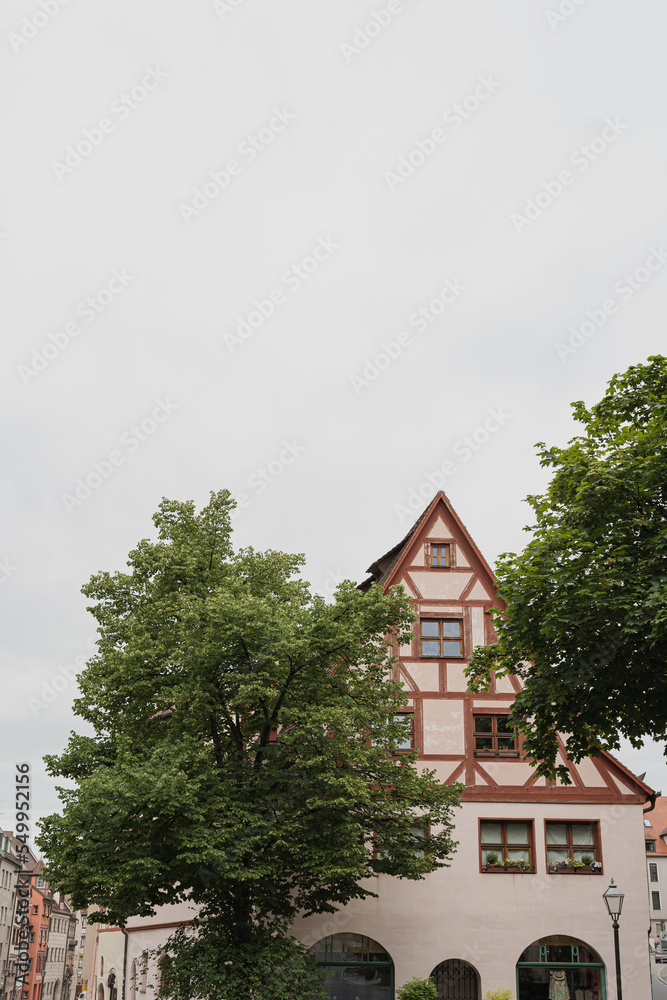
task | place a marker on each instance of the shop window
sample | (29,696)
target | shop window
(560,966)
(354,964)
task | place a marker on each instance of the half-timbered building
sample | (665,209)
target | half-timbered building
(521,905)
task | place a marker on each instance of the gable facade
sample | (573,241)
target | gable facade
(475,924)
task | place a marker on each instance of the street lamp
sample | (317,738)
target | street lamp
(613,899)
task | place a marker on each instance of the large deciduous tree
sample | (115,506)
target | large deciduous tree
(241,756)
(585,624)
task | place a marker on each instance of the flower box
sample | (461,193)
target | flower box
(574,870)
(510,869)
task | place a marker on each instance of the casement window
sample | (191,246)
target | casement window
(406,721)
(440,556)
(506,841)
(655,901)
(494,736)
(572,840)
(405,741)
(650,846)
(653,872)
(441,637)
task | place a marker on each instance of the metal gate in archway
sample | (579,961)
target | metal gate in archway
(456,980)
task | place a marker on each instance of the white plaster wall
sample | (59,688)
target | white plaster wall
(488,919)
(148,933)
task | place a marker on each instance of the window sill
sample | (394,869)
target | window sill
(508,754)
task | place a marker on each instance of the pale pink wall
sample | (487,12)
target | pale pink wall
(488,919)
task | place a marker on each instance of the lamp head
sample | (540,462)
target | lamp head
(613,898)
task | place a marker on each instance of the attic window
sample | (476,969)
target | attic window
(647,822)
(440,556)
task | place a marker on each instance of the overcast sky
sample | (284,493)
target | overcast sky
(312,252)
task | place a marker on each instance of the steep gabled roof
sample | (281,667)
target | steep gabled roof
(384,568)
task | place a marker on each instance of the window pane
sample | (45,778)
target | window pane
(517,854)
(430,647)
(483,724)
(491,833)
(583,852)
(553,857)
(582,834)
(498,850)
(451,648)
(429,628)
(517,833)
(503,725)
(556,833)
(483,743)
(405,722)
(506,743)
(451,628)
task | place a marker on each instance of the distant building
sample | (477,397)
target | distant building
(655,836)
(9,866)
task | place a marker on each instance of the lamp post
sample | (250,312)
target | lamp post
(613,898)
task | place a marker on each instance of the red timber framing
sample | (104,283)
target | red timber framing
(435,687)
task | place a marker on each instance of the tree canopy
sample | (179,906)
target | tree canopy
(241,756)
(585,623)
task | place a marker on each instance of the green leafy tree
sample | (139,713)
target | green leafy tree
(418,989)
(585,624)
(232,762)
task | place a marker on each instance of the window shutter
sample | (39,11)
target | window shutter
(427,553)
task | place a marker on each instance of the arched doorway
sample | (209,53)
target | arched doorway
(560,965)
(456,980)
(100,992)
(355,963)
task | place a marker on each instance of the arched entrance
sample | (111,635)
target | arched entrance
(456,980)
(354,963)
(560,966)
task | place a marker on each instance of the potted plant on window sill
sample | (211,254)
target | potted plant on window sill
(571,866)
(494,863)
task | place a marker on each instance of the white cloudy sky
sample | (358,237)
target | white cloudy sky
(318,119)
